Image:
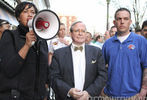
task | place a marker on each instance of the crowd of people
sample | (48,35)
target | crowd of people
(81,66)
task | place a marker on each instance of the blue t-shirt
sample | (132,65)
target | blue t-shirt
(126,62)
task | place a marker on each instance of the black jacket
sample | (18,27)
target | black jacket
(27,76)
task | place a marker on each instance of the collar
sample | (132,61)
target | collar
(22,29)
(130,38)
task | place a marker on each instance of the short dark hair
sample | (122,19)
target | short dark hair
(89,34)
(144,24)
(98,37)
(113,27)
(122,9)
(2,21)
(20,7)
(71,28)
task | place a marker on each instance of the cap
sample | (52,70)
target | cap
(3,22)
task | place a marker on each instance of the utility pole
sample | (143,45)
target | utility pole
(47,2)
(108,2)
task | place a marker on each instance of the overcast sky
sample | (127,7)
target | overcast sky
(91,12)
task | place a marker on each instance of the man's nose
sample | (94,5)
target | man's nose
(122,21)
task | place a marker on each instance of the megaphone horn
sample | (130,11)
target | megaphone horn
(45,24)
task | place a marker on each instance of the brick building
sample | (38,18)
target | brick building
(67,20)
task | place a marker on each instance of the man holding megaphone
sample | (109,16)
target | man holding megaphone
(24,68)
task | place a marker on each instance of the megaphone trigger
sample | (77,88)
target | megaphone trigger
(33,42)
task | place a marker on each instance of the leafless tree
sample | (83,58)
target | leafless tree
(139,12)
(137,8)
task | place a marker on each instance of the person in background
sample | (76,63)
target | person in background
(106,35)
(99,41)
(126,56)
(138,31)
(144,29)
(77,71)
(112,31)
(94,37)
(4,25)
(88,38)
(24,67)
(61,41)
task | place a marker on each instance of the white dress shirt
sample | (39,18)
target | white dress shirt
(123,38)
(79,64)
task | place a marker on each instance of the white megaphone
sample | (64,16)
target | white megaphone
(45,24)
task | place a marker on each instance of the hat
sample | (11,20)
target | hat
(2,21)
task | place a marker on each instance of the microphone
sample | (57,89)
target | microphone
(41,24)
(30,28)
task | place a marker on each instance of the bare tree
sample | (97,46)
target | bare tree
(137,8)
(139,12)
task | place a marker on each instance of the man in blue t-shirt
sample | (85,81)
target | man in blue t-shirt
(126,56)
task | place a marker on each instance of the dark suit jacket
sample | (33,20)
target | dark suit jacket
(62,75)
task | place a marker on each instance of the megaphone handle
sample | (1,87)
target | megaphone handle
(33,42)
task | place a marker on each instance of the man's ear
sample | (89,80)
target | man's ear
(114,22)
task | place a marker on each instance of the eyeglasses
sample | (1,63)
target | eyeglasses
(79,31)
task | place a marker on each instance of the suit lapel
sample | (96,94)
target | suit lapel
(88,59)
(69,62)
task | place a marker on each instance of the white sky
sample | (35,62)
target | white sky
(91,12)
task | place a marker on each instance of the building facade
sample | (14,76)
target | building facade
(7,11)
(67,20)
(7,8)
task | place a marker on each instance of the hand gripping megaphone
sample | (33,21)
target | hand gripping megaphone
(45,24)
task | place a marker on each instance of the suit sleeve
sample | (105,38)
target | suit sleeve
(96,87)
(59,86)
